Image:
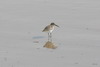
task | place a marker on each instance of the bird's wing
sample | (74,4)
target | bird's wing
(46,28)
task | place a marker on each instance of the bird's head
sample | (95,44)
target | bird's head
(54,24)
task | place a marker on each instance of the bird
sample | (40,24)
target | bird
(49,29)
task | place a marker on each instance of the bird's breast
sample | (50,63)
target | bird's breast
(51,29)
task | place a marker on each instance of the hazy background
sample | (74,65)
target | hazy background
(78,38)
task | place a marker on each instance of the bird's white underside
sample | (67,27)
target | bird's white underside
(50,31)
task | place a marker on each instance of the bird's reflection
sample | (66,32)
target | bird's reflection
(50,44)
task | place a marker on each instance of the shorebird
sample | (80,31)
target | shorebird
(49,29)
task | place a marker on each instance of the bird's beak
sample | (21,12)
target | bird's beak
(56,25)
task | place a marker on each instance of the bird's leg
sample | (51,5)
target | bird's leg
(48,36)
(51,37)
